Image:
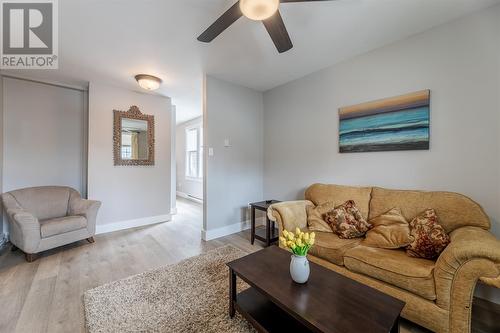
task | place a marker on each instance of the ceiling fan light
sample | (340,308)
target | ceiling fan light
(259,10)
(148,82)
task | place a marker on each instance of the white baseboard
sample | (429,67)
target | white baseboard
(122,225)
(187,196)
(207,235)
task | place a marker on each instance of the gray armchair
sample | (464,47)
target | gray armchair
(42,218)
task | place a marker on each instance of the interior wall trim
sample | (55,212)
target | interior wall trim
(189,197)
(122,225)
(207,235)
(49,83)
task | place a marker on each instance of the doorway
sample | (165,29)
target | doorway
(190,170)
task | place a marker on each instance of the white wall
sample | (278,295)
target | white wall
(173,159)
(186,186)
(233,174)
(44,135)
(130,195)
(458,61)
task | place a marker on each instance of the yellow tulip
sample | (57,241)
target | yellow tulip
(299,243)
(297,231)
(313,235)
(311,242)
(305,237)
(282,239)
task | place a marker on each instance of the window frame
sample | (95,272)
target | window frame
(199,153)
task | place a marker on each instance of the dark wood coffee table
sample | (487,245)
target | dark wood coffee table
(328,302)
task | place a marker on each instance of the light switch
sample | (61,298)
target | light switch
(226,143)
(210,151)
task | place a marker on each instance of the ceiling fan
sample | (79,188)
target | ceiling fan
(266,11)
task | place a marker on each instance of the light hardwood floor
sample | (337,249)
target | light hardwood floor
(46,295)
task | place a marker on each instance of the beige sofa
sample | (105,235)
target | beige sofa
(438,294)
(42,218)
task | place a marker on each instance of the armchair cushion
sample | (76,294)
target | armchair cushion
(61,225)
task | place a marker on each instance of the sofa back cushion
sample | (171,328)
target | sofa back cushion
(46,202)
(338,194)
(454,210)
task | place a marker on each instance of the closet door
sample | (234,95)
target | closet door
(44,135)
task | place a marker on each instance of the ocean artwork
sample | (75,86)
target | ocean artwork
(397,123)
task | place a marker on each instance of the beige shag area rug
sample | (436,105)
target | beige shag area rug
(191,296)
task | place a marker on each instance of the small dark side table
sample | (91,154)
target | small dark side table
(270,234)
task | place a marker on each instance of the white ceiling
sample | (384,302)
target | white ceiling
(113,40)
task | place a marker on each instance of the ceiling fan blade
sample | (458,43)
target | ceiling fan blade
(283,1)
(277,30)
(221,24)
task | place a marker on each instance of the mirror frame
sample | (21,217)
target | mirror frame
(132,113)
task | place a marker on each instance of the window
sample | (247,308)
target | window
(126,152)
(194,152)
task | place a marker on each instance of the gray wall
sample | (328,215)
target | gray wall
(187,186)
(234,174)
(44,135)
(458,61)
(127,192)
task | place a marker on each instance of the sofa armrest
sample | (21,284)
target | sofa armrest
(492,282)
(24,230)
(289,214)
(472,254)
(86,208)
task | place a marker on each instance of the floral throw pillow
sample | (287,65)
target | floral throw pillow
(429,238)
(346,221)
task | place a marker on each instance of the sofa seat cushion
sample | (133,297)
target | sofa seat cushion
(394,267)
(330,247)
(61,225)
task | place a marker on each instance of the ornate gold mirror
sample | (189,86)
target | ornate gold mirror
(133,137)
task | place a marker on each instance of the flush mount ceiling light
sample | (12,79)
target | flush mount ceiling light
(148,82)
(259,10)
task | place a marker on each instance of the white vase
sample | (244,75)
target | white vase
(299,269)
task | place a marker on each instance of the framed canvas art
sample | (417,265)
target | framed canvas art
(397,123)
